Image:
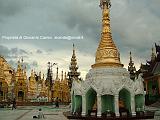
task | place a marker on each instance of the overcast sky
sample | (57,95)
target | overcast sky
(135,27)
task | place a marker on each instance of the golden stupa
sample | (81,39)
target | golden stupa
(107,53)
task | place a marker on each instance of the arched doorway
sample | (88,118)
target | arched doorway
(78,104)
(1,95)
(124,102)
(20,95)
(108,103)
(91,100)
(139,102)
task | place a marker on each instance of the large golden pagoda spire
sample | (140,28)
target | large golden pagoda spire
(107,53)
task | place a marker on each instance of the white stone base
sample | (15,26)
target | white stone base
(133,113)
(108,81)
(99,114)
(83,114)
(117,114)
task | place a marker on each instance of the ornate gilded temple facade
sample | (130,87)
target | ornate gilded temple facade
(16,84)
(61,88)
(5,78)
(21,88)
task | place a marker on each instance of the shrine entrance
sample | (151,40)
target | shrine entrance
(78,104)
(124,102)
(20,96)
(1,95)
(91,101)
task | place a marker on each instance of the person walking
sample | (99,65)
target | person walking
(14,104)
(57,103)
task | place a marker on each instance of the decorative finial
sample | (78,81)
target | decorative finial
(57,73)
(130,56)
(153,56)
(73,74)
(62,75)
(43,75)
(105,3)
(65,75)
(131,67)
(22,60)
(73,49)
(32,72)
(40,74)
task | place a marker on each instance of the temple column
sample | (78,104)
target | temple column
(116,103)
(159,84)
(5,97)
(99,106)
(133,104)
(17,95)
(83,105)
(75,105)
(146,84)
(72,103)
(24,97)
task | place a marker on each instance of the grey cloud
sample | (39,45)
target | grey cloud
(12,52)
(10,8)
(17,51)
(39,51)
(4,51)
(84,19)
(34,64)
(13,63)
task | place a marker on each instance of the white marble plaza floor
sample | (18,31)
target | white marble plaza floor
(27,113)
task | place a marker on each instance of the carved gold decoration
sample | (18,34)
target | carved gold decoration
(107,54)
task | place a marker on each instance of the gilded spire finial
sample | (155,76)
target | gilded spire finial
(62,75)
(22,60)
(105,3)
(57,74)
(43,75)
(32,73)
(65,75)
(107,54)
(19,67)
(40,74)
